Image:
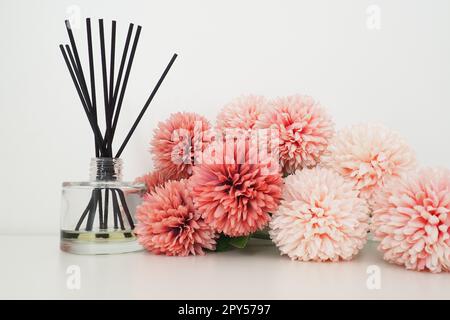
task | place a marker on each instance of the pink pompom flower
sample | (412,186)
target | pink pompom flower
(411,219)
(233,193)
(321,217)
(152,180)
(369,155)
(178,143)
(304,130)
(241,113)
(169,224)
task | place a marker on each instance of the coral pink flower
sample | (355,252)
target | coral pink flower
(304,130)
(234,194)
(369,155)
(241,113)
(321,217)
(412,220)
(152,180)
(168,223)
(176,142)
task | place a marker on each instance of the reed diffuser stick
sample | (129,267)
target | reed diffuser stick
(106,211)
(120,74)
(95,130)
(92,75)
(93,209)
(117,213)
(105,87)
(149,100)
(125,208)
(127,75)
(111,83)
(83,215)
(100,210)
(77,65)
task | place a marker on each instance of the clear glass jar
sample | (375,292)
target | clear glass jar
(98,216)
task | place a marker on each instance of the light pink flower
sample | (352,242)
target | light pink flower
(412,220)
(168,223)
(152,180)
(241,113)
(369,155)
(174,142)
(304,130)
(235,195)
(321,217)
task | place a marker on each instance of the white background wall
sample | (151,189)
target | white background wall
(398,75)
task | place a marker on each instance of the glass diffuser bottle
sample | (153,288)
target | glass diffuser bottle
(98,215)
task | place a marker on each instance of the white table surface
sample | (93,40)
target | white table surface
(33,267)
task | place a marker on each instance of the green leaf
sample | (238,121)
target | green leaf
(223,244)
(239,242)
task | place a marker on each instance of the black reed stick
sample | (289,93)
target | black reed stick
(117,213)
(105,85)
(94,126)
(91,216)
(149,100)
(83,215)
(100,210)
(115,209)
(78,75)
(119,75)
(80,80)
(105,213)
(125,208)
(79,67)
(127,75)
(111,78)
(92,73)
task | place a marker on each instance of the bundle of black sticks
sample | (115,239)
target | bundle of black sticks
(113,95)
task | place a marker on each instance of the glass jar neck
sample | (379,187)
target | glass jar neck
(106,169)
